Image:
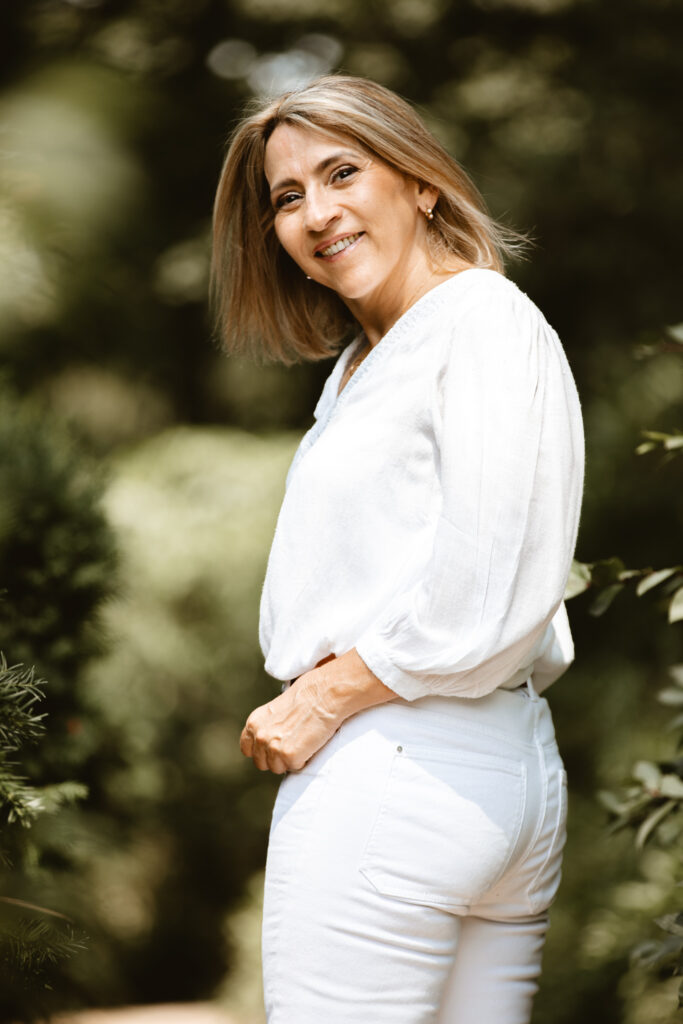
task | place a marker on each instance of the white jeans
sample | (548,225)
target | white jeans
(410,865)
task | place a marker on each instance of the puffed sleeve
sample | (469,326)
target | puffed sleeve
(511,453)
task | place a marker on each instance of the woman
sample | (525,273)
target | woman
(415,583)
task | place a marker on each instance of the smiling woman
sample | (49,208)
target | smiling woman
(362,142)
(347,219)
(413,602)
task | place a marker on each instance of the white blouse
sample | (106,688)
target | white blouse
(431,512)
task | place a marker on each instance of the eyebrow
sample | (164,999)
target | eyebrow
(323,165)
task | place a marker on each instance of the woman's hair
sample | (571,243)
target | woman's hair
(263,302)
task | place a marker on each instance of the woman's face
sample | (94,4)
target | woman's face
(347,219)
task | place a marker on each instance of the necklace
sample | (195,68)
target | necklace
(355,363)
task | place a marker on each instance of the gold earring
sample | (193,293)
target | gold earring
(429,213)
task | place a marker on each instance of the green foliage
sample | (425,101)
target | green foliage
(34,941)
(609,577)
(19,694)
(664,954)
(56,567)
(19,725)
(56,555)
(34,945)
(20,801)
(658,787)
(652,805)
(669,443)
(194,511)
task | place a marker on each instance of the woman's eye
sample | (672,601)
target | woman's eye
(286,200)
(343,173)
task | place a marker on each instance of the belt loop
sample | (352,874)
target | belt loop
(530,687)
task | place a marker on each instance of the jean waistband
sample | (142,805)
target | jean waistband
(518,715)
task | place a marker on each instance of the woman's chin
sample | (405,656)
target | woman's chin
(353,287)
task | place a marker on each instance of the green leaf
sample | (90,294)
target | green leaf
(651,822)
(653,579)
(605,598)
(579,579)
(629,574)
(672,786)
(611,802)
(652,953)
(655,438)
(671,923)
(61,793)
(607,570)
(675,332)
(655,435)
(676,606)
(645,447)
(649,774)
(672,696)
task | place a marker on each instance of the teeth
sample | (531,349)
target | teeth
(343,243)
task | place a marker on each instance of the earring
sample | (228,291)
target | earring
(308,277)
(429,213)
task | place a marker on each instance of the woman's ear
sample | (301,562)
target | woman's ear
(427,196)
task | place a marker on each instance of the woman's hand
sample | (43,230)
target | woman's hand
(282,735)
(285,733)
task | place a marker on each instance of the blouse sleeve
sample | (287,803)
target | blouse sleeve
(511,453)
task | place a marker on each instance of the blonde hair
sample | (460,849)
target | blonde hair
(263,303)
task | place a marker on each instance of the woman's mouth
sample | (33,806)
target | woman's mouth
(340,245)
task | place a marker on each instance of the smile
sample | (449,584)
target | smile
(339,245)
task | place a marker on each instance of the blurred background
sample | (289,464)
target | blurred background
(141,469)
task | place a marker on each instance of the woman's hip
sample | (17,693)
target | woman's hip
(452,804)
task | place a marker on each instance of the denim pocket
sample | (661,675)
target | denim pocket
(447,826)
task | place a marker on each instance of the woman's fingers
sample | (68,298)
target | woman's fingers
(247,741)
(268,759)
(285,733)
(267,756)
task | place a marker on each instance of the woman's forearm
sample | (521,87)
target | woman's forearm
(344,686)
(285,733)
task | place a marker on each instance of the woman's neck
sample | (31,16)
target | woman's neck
(377,313)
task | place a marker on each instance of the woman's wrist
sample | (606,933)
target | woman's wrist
(345,686)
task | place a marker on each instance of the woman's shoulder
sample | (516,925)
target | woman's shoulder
(445,307)
(481,298)
(485,288)
(487,321)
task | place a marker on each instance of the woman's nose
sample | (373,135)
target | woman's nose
(320,210)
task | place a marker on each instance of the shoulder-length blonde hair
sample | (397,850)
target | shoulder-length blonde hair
(263,303)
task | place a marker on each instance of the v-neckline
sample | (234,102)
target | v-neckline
(398,328)
(405,322)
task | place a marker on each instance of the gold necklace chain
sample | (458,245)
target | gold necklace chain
(353,366)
